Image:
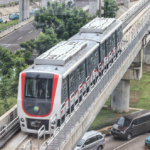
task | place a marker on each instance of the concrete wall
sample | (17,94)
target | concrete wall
(8,117)
(127,3)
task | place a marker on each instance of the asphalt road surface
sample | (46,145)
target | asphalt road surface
(25,33)
(136,143)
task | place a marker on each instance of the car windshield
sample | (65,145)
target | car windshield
(124,122)
(81,142)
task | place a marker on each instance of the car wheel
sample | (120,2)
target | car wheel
(100,148)
(129,136)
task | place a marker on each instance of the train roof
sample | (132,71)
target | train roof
(69,66)
(93,33)
(67,55)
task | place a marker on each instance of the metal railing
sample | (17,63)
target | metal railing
(132,10)
(28,146)
(9,127)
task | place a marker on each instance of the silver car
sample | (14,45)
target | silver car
(92,140)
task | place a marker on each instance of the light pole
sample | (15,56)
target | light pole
(100,8)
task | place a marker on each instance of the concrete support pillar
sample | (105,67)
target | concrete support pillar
(146,57)
(120,97)
(93,7)
(43,3)
(127,3)
(134,72)
(23,10)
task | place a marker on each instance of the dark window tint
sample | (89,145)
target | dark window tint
(141,120)
(38,88)
(91,140)
(124,122)
(99,137)
(81,71)
(81,142)
(65,89)
(113,40)
(72,82)
(135,122)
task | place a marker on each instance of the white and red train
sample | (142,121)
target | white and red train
(63,75)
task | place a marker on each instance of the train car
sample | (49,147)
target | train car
(63,76)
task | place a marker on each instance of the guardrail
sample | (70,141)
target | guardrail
(132,10)
(15,26)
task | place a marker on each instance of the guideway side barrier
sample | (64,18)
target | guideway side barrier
(67,128)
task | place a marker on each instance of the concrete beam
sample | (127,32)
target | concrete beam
(120,97)
(127,3)
(23,10)
(134,72)
(93,7)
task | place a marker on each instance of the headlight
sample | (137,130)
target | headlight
(123,132)
(22,120)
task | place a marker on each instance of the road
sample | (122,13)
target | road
(136,143)
(12,40)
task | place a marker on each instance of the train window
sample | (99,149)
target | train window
(95,57)
(71,81)
(107,45)
(88,64)
(110,43)
(113,40)
(65,90)
(81,71)
(38,88)
(103,50)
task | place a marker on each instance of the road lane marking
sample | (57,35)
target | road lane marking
(8,45)
(20,38)
(31,31)
(126,143)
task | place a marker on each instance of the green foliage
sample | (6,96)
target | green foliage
(64,21)
(10,66)
(110,9)
(28,48)
(45,41)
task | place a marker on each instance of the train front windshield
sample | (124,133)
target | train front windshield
(38,95)
(39,88)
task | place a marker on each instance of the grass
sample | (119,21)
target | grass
(140,90)
(106,117)
(10,100)
(9,24)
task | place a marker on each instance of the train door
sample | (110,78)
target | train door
(65,97)
(72,101)
(113,37)
(103,58)
(80,92)
(81,80)
(73,90)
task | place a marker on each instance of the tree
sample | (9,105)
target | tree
(110,9)
(28,48)
(10,66)
(45,41)
(63,20)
